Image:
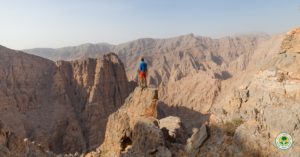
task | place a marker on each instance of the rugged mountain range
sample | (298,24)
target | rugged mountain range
(213,97)
(176,64)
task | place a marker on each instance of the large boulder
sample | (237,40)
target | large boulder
(175,131)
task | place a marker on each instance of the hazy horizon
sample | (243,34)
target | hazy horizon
(54,24)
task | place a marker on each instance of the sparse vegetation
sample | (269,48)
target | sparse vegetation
(230,126)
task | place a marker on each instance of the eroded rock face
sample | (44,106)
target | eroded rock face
(64,105)
(97,88)
(259,110)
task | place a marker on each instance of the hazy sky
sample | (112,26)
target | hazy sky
(57,23)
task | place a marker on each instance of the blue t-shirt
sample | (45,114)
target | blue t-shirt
(143,66)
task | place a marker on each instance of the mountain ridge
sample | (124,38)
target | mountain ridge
(40,51)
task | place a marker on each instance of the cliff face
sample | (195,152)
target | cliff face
(63,105)
(96,88)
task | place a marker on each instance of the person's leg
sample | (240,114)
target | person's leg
(141,79)
(140,82)
(145,82)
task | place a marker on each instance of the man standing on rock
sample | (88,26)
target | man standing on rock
(143,73)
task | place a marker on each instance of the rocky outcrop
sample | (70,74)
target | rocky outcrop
(64,106)
(291,43)
(131,133)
